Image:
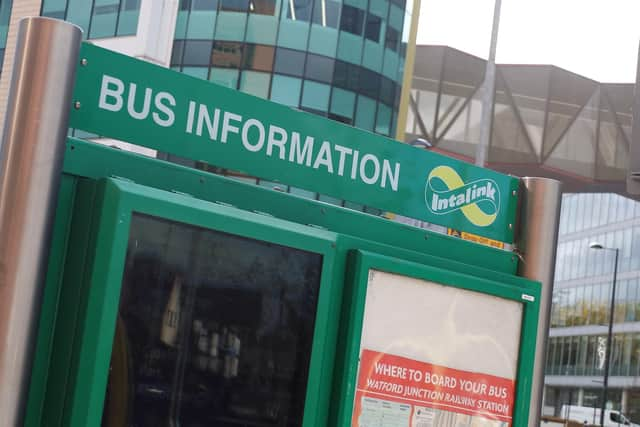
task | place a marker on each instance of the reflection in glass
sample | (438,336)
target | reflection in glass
(212,330)
(352,20)
(227,54)
(300,10)
(326,13)
(258,57)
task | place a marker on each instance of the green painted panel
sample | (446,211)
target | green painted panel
(236,131)
(96,161)
(357,277)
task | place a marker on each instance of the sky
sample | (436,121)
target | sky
(595,38)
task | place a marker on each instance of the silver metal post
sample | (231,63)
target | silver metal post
(607,354)
(31,155)
(537,240)
(489,86)
(633,175)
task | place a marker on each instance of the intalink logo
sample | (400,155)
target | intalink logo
(479,200)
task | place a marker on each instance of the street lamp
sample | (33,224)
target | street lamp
(607,354)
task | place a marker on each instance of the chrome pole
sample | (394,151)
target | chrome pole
(31,156)
(537,239)
(607,354)
(489,89)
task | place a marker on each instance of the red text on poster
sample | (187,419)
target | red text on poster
(417,384)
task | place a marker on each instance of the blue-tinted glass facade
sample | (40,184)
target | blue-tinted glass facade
(340,59)
(5,15)
(581,304)
(97,18)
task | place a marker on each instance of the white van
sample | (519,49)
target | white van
(584,414)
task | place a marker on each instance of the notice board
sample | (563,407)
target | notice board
(435,355)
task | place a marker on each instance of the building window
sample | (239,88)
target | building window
(197,52)
(391,39)
(234,5)
(352,20)
(326,13)
(205,5)
(319,68)
(372,29)
(227,54)
(262,7)
(98,18)
(289,62)
(300,10)
(258,57)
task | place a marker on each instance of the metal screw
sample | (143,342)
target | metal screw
(84,62)
(510,226)
(77,105)
(514,192)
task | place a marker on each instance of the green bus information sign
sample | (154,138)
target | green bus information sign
(120,97)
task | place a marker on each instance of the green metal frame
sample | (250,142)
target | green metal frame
(361,262)
(92,228)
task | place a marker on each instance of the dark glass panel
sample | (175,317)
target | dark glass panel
(327,13)
(372,28)
(258,57)
(205,5)
(391,38)
(319,68)
(227,54)
(346,76)
(106,9)
(341,119)
(131,4)
(212,329)
(176,52)
(352,20)
(397,95)
(55,15)
(262,7)
(369,83)
(387,90)
(289,62)
(197,52)
(185,4)
(234,5)
(300,10)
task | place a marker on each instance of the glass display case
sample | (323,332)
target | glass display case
(212,329)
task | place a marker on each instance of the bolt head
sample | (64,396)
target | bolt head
(77,105)
(84,62)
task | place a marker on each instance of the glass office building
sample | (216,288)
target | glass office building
(97,18)
(5,14)
(582,300)
(339,59)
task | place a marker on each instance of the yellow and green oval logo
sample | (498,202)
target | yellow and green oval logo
(445,192)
